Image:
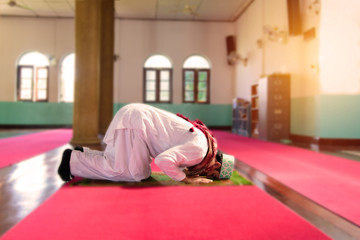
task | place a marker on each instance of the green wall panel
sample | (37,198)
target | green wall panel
(39,113)
(323,116)
(30,113)
(326,116)
(303,117)
(339,116)
(210,114)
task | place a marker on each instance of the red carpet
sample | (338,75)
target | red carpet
(163,213)
(330,181)
(16,149)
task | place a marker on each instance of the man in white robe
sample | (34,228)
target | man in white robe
(138,133)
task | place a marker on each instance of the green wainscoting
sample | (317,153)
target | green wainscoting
(35,113)
(303,117)
(214,115)
(326,116)
(322,116)
(53,114)
(339,116)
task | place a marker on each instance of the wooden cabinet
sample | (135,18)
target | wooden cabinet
(274,107)
(241,117)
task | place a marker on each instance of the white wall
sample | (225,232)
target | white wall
(248,31)
(326,64)
(137,40)
(325,69)
(134,42)
(339,55)
(52,37)
(293,57)
(272,57)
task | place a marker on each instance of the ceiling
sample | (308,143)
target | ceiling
(176,10)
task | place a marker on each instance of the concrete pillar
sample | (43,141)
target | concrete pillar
(90,24)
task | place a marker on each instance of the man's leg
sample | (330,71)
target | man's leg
(118,161)
(88,150)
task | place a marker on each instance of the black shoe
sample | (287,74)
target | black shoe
(64,168)
(78,148)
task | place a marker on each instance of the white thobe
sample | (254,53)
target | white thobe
(138,133)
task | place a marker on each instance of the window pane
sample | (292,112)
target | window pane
(34,58)
(164,75)
(150,96)
(150,85)
(26,72)
(189,96)
(164,80)
(202,76)
(26,83)
(196,61)
(189,86)
(202,96)
(164,85)
(202,86)
(164,96)
(68,78)
(150,75)
(196,85)
(25,94)
(41,95)
(189,75)
(157,61)
(41,84)
(42,73)
(158,85)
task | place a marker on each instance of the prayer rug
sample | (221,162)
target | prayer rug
(172,212)
(330,181)
(19,148)
(160,179)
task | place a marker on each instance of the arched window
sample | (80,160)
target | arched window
(33,77)
(157,79)
(67,78)
(196,80)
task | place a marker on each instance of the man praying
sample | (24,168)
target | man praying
(184,150)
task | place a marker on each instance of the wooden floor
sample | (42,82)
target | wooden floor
(24,186)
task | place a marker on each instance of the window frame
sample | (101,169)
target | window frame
(34,83)
(19,83)
(196,81)
(157,84)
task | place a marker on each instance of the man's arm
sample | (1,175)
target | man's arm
(171,160)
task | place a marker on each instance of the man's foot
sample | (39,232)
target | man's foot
(64,168)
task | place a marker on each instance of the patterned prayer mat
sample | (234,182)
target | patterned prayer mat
(160,179)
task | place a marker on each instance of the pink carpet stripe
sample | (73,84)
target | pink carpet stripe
(19,148)
(175,213)
(330,181)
